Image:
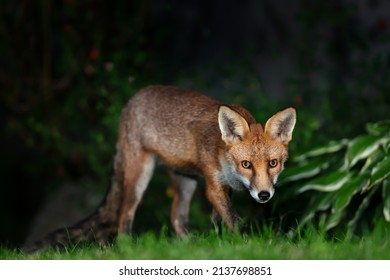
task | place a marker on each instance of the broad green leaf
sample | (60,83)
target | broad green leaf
(324,202)
(332,147)
(319,203)
(386,199)
(307,218)
(379,128)
(348,190)
(334,219)
(360,148)
(386,145)
(362,207)
(327,183)
(372,161)
(303,170)
(381,171)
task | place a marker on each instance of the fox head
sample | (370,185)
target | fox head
(254,156)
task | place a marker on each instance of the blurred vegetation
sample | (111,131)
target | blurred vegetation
(345,184)
(68,67)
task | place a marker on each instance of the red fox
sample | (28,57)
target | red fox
(192,135)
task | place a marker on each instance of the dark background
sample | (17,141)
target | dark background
(67,68)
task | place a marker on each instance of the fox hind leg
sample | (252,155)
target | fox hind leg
(184,188)
(137,175)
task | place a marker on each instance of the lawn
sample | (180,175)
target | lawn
(310,244)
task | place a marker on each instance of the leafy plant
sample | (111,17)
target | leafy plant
(344,184)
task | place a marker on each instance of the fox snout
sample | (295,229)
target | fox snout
(262,196)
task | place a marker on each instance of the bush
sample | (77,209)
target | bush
(343,185)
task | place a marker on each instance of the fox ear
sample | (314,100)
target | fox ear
(234,128)
(281,125)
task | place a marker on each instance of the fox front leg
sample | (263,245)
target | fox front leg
(216,218)
(219,197)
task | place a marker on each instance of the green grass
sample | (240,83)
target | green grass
(309,244)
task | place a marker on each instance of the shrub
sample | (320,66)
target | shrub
(342,185)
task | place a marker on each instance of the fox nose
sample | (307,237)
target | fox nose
(264,196)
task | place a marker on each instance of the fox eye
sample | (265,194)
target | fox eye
(246,164)
(273,163)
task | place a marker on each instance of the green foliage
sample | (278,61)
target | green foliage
(345,184)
